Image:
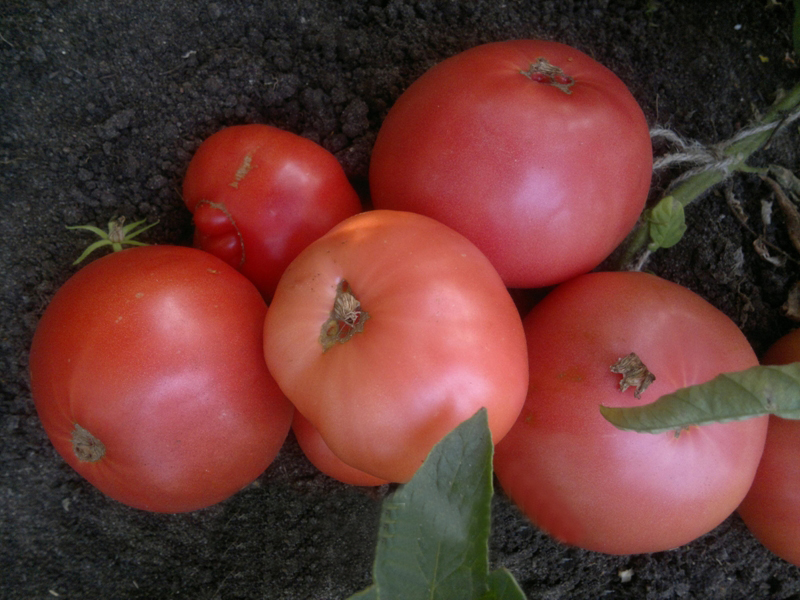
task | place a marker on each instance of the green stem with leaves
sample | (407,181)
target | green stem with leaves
(720,162)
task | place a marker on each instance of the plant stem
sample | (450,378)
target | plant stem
(730,157)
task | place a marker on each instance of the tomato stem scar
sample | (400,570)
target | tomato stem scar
(634,373)
(542,71)
(86,446)
(347,318)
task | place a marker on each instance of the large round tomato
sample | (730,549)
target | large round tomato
(388,332)
(531,149)
(260,195)
(771,509)
(592,485)
(148,374)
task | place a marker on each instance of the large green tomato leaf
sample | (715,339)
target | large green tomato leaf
(433,541)
(757,391)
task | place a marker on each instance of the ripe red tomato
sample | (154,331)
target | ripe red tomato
(388,332)
(545,166)
(771,509)
(148,374)
(318,453)
(260,195)
(592,485)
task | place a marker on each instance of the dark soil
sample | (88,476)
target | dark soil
(102,103)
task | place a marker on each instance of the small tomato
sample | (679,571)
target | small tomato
(260,195)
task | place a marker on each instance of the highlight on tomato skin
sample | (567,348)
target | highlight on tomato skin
(771,509)
(148,375)
(389,331)
(531,149)
(591,485)
(259,195)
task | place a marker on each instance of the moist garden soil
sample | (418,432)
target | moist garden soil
(103,102)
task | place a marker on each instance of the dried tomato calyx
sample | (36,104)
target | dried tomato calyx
(86,446)
(634,374)
(347,318)
(542,71)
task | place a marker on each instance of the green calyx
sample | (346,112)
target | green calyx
(117,236)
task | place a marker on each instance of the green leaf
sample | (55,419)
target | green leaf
(667,223)
(370,593)
(503,586)
(433,541)
(757,391)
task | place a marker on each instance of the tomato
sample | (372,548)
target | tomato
(260,195)
(545,166)
(148,374)
(592,485)
(388,332)
(318,453)
(786,350)
(771,509)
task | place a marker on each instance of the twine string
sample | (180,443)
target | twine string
(708,158)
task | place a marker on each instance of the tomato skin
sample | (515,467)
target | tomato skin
(259,195)
(771,509)
(591,485)
(545,183)
(157,352)
(318,453)
(784,351)
(443,339)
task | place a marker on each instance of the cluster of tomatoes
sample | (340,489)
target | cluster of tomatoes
(161,375)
